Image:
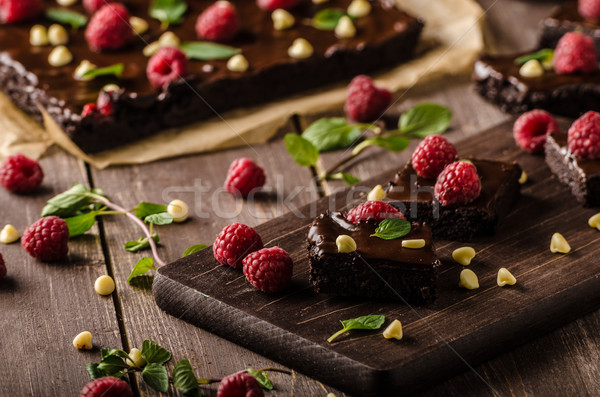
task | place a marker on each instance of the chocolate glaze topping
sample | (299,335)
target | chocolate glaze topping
(587,167)
(569,13)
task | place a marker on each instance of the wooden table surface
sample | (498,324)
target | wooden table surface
(45,305)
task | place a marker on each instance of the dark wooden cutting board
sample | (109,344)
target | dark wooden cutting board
(459,330)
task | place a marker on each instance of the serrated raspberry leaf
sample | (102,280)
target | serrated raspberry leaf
(142,267)
(543,55)
(193,249)
(208,51)
(140,244)
(67,17)
(112,365)
(153,353)
(70,202)
(302,150)
(168,11)
(332,133)
(425,119)
(392,228)
(94,372)
(113,70)
(328,18)
(184,378)
(144,209)
(80,224)
(164,218)
(155,376)
(262,377)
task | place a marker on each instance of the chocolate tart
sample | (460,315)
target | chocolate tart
(385,37)
(497,79)
(567,19)
(379,269)
(580,174)
(500,189)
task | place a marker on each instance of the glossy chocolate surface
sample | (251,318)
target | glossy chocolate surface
(327,227)
(569,13)
(588,167)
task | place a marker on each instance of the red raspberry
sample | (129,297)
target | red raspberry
(575,52)
(88,109)
(104,103)
(234,243)
(2,268)
(457,184)
(92,6)
(531,128)
(432,155)
(584,136)
(166,65)
(47,239)
(269,269)
(244,176)
(364,101)
(109,28)
(377,210)
(219,22)
(589,9)
(240,385)
(19,10)
(273,4)
(20,174)
(106,387)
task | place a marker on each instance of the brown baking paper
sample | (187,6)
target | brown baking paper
(451,39)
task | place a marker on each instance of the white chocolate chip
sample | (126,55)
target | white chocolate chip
(394,330)
(38,35)
(413,244)
(468,279)
(178,210)
(559,244)
(139,25)
(237,63)
(151,48)
(57,35)
(9,234)
(319,1)
(359,8)
(300,49)
(376,194)
(136,355)
(345,27)
(111,88)
(328,394)
(463,255)
(345,244)
(282,19)
(66,3)
(60,56)
(531,68)
(505,277)
(594,221)
(82,69)
(104,285)
(83,341)
(523,178)
(168,39)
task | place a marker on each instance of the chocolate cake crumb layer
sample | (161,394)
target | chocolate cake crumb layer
(567,19)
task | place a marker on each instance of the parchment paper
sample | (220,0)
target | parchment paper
(451,40)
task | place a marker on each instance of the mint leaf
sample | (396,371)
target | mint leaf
(155,376)
(184,378)
(164,218)
(393,143)
(392,228)
(331,133)
(66,17)
(543,55)
(302,150)
(373,321)
(328,18)
(153,353)
(208,51)
(144,209)
(168,11)
(425,119)
(140,244)
(80,224)
(142,267)
(94,372)
(112,365)
(69,202)
(193,249)
(262,378)
(113,70)
(348,178)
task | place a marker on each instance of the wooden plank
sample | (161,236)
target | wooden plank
(44,305)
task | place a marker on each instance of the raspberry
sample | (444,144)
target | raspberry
(432,155)
(584,136)
(269,269)
(244,176)
(575,52)
(106,387)
(364,101)
(20,174)
(377,210)
(166,65)
(19,10)
(219,22)
(92,6)
(88,109)
(589,9)
(273,4)
(47,239)
(2,268)
(240,385)
(104,103)
(109,28)
(531,128)
(234,243)
(457,184)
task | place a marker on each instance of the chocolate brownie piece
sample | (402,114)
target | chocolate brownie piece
(567,19)
(581,175)
(380,269)
(385,37)
(497,79)
(500,189)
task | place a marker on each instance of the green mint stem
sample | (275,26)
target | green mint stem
(266,369)
(340,332)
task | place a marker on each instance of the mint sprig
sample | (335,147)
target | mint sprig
(112,70)
(543,55)
(328,18)
(193,249)
(168,11)
(142,267)
(208,51)
(141,244)
(301,149)
(66,17)
(332,133)
(370,322)
(392,228)
(424,119)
